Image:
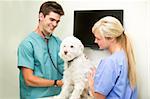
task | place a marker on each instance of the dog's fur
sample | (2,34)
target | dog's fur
(76,68)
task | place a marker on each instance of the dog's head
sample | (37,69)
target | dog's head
(70,48)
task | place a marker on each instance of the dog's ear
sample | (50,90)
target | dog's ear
(81,47)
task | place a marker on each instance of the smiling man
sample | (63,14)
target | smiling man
(40,66)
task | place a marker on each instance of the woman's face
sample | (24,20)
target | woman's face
(102,42)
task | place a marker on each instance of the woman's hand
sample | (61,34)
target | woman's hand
(91,76)
(91,80)
(91,85)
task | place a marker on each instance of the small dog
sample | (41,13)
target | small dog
(76,68)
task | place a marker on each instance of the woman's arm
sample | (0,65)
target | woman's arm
(99,96)
(91,84)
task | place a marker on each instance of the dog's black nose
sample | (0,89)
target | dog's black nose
(65,52)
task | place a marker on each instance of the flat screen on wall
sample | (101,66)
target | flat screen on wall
(84,21)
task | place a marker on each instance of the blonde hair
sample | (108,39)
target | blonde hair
(112,28)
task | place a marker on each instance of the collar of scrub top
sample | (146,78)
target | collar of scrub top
(47,36)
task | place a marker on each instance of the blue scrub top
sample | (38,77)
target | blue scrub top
(111,78)
(33,54)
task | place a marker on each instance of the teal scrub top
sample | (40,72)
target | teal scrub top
(33,53)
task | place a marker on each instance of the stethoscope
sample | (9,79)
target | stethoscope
(47,38)
(53,62)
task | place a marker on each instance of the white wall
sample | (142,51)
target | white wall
(18,18)
(148,44)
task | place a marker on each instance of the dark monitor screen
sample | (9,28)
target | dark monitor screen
(84,21)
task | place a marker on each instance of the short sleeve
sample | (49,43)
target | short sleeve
(25,55)
(105,77)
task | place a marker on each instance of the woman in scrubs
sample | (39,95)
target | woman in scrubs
(115,76)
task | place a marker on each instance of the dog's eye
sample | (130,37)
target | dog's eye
(71,46)
(64,46)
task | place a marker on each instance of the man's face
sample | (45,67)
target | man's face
(49,22)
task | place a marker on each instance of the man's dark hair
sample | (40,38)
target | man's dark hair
(49,6)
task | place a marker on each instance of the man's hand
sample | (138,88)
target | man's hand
(59,83)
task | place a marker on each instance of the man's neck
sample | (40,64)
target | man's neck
(39,31)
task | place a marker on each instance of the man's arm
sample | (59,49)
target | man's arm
(35,81)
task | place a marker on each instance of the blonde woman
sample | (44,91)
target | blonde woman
(115,76)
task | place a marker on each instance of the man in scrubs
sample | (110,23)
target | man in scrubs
(38,61)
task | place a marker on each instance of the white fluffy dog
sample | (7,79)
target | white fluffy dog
(76,68)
